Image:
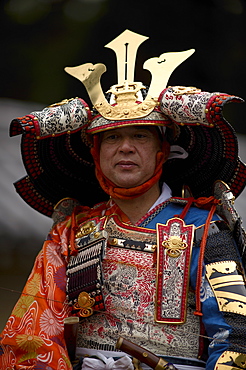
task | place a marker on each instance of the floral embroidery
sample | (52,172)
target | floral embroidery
(22,305)
(52,257)
(29,343)
(49,323)
(34,332)
(60,278)
(32,286)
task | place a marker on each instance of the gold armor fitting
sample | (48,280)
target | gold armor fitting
(231,361)
(227,282)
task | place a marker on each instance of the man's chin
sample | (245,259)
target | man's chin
(127,184)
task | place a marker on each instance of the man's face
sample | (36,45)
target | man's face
(128,155)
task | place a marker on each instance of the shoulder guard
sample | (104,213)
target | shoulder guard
(63,209)
(227,211)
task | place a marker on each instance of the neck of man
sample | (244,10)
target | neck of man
(136,208)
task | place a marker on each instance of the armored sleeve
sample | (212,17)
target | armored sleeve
(223,296)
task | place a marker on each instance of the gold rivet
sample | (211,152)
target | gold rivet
(96,235)
(145,354)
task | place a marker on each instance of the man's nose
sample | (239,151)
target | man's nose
(127,144)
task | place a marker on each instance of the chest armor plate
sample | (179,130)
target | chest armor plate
(169,247)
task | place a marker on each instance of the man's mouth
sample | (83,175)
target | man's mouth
(126,164)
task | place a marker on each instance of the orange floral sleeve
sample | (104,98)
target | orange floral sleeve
(34,337)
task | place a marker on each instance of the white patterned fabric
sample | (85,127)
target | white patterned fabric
(62,118)
(186,108)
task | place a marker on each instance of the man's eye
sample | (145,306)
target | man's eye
(140,136)
(111,137)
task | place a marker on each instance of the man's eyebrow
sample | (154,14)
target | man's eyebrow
(142,127)
(147,127)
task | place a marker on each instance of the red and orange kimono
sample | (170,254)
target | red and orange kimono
(34,334)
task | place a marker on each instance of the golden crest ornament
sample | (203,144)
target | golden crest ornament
(126,100)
